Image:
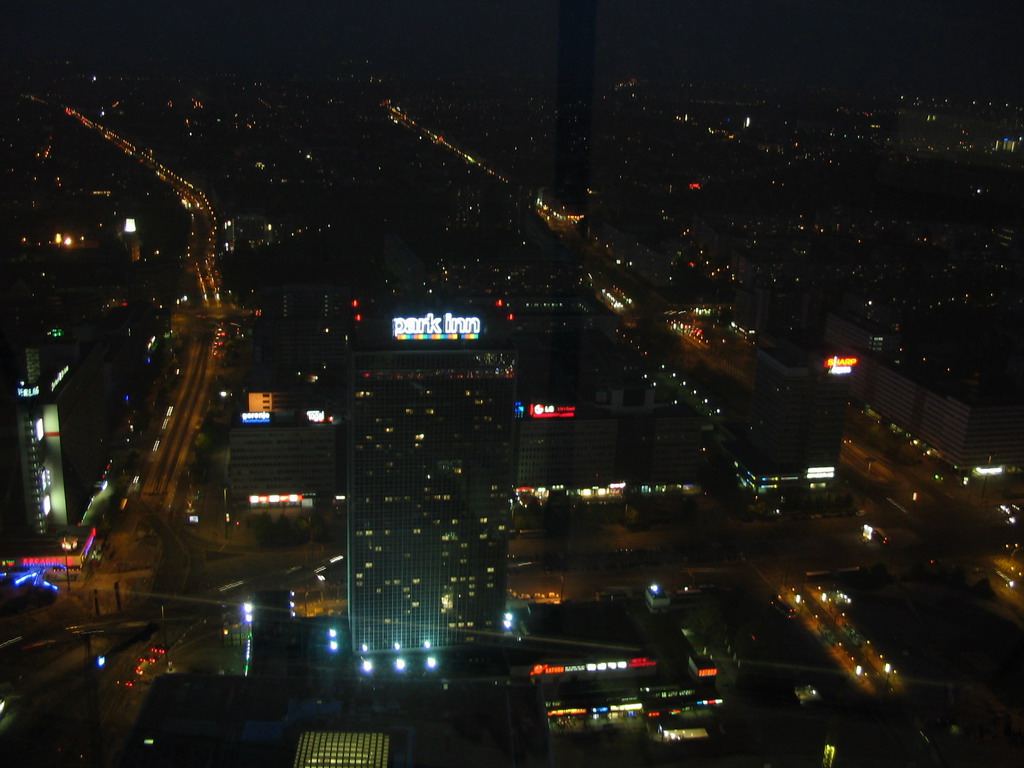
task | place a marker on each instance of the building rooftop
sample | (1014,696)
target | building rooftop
(283,722)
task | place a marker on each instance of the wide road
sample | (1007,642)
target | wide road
(59,714)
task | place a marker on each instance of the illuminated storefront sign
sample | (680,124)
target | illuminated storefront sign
(258,417)
(539,411)
(28,391)
(432,326)
(59,377)
(840,365)
(276,498)
(988,470)
(317,417)
(820,473)
(43,561)
(601,666)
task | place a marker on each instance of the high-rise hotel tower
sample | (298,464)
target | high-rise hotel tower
(430,465)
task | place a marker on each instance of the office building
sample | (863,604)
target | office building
(302,333)
(862,335)
(798,413)
(977,431)
(595,449)
(973,422)
(283,459)
(430,477)
(62,426)
(69,393)
(247,231)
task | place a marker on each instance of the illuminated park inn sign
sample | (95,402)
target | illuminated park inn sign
(432,326)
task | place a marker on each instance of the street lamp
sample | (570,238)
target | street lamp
(67,545)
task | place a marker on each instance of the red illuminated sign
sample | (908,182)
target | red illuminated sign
(591,666)
(547,669)
(642,662)
(840,365)
(539,411)
(834,361)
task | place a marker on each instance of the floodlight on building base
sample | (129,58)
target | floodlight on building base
(367,666)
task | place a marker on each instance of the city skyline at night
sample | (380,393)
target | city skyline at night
(528,384)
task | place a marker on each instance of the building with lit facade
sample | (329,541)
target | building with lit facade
(598,450)
(247,230)
(283,459)
(69,391)
(972,422)
(61,421)
(798,413)
(51,561)
(972,431)
(562,446)
(430,463)
(588,419)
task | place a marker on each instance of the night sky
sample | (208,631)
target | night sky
(960,47)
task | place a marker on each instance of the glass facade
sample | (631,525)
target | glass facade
(431,467)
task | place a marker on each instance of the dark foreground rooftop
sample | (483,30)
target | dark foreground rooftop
(240,721)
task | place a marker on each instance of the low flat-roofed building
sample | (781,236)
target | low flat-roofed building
(53,560)
(319,748)
(286,722)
